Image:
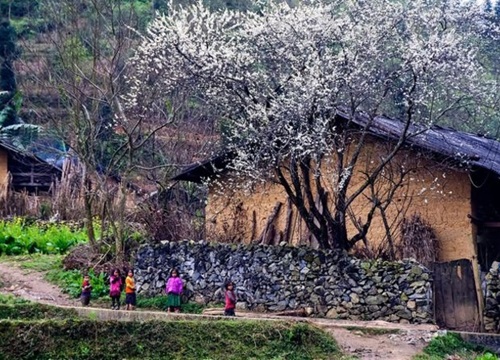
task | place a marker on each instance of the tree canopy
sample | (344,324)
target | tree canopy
(279,77)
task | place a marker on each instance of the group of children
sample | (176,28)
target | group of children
(115,290)
(173,289)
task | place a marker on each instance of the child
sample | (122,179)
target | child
(230,300)
(86,290)
(130,299)
(174,290)
(115,288)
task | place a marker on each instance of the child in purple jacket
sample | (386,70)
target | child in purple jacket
(174,291)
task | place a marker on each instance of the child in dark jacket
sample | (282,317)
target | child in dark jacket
(86,291)
(230,300)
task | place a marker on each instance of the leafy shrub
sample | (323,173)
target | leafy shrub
(19,238)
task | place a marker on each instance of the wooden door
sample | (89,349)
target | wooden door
(455,298)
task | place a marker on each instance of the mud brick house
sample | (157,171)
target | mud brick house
(24,171)
(454,185)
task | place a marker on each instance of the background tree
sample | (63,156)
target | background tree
(82,75)
(280,78)
(74,75)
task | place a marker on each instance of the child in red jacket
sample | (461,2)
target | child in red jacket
(86,291)
(231,299)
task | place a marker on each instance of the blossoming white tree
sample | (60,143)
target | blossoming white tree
(280,78)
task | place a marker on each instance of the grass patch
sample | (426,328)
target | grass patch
(371,331)
(37,262)
(160,303)
(34,311)
(223,339)
(8,299)
(450,345)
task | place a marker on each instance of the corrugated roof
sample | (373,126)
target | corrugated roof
(27,154)
(469,150)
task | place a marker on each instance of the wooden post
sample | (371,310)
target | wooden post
(288,222)
(270,220)
(254,226)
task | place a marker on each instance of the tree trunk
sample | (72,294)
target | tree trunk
(89,223)
(120,233)
(339,229)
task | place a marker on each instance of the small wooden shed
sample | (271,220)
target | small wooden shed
(24,171)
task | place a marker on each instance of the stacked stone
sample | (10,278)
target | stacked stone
(492,297)
(278,278)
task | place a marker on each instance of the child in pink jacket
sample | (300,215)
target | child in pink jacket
(174,291)
(115,289)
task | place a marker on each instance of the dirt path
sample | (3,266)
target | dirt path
(363,339)
(399,346)
(31,285)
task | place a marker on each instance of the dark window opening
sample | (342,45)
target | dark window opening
(485,207)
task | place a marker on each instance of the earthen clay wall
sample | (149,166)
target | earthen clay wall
(4,178)
(439,194)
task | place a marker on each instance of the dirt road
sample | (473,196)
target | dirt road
(363,339)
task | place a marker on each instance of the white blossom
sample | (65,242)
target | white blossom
(279,77)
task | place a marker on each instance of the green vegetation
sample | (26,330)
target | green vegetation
(37,262)
(487,356)
(160,303)
(452,345)
(222,339)
(7,299)
(37,331)
(33,311)
(19,238)
(70,282)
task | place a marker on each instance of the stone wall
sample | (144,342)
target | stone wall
(491,288)
(270,278)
